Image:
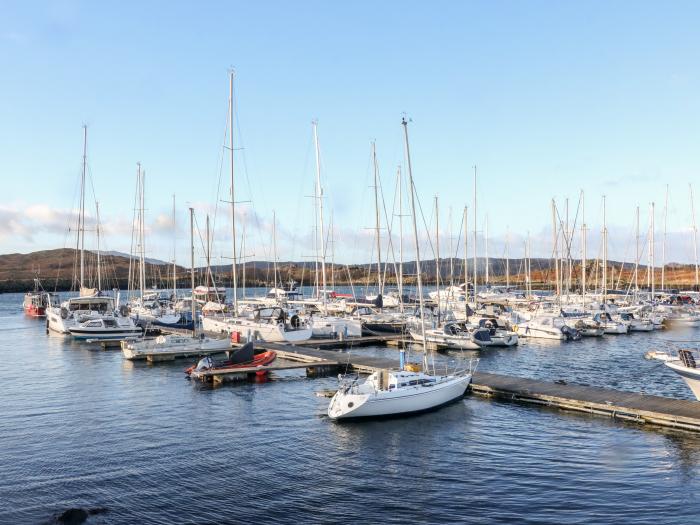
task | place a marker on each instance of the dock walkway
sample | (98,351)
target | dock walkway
(617,404)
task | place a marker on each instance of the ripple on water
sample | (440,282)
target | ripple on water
(88,430)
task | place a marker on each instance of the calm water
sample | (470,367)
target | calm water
(80,427)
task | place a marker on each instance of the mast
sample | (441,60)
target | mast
(194,308)
(636,254)
(486,248)
(695,236)
(142,259)
(208,256)
(174,252)
(376,216)
(243,255)
(663,245)
(651,252)
(475,243)
(583,247)
(400,283)
(234,276)
(97,228)
(450,232)
(81,220)
(415,237)
(555,242)
(466,256)
(605,256)
(437,248)
(319,196)
(274,248)
(507,260)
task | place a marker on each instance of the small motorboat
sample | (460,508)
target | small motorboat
(242,358)
(178,345)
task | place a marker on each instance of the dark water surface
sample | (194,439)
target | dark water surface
(81,427)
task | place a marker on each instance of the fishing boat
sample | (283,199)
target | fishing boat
(499,333)
(37,301)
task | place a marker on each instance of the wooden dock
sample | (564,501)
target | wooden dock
(627,406)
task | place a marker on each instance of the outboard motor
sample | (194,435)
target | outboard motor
(204,364)
(64,312)
(124,310)
(571,333)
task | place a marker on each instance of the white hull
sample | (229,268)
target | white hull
(330,326)
(540,333)
(173,346)
(691,376)
(56,323)
(439,338)
(273,333)
(347,405)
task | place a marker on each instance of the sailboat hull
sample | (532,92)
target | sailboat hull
(405,401)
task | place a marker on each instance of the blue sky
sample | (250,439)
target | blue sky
(546,98)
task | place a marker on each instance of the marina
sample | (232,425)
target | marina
(330,263)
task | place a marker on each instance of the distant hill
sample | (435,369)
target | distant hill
(56,268)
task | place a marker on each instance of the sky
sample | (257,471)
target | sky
(545,98)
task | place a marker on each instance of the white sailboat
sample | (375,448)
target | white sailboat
(90,315)
(390,393)
(267,324)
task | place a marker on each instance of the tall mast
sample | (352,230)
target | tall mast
(376,217)
(507,260)
(81,223)
(466,256)
(274,248)
(486,248)
(605,256)
(555,242)
(695,236)
(97,228)
(651,252)
(584,263)
(234,276)
(437,247)
(319,196)
(243,256)
(475,243)
(663,245)
(208,255)
(452,254)
(636,254)
(142,259)
(174,252)
(400,283)
(194,308)
(415,237)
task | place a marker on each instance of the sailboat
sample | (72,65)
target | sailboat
(174,343)
(91,315)
(269,323)
(399,392)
